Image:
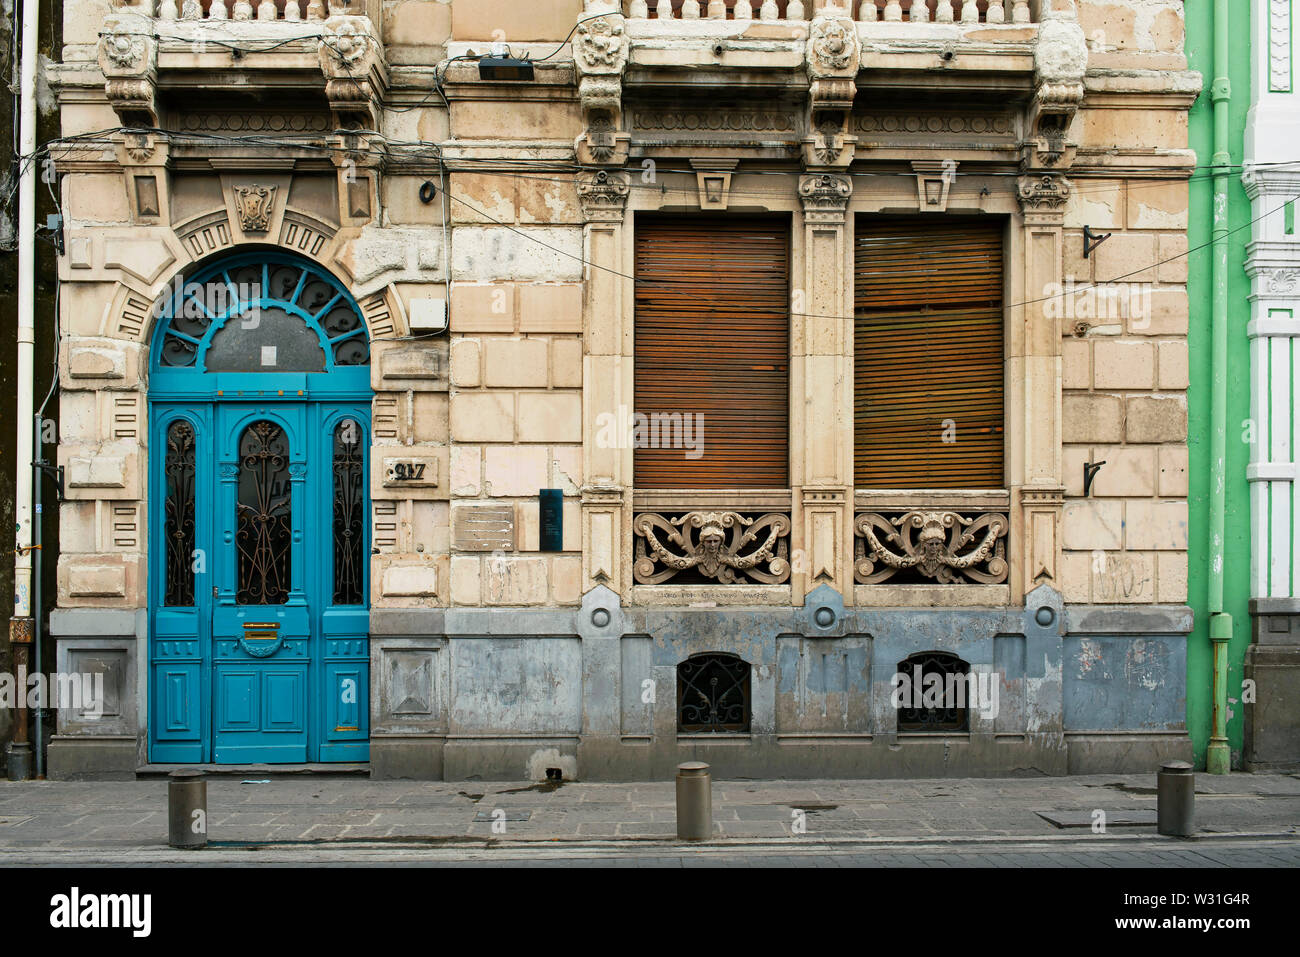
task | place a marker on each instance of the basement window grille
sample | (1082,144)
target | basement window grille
(928,712)
(713,694)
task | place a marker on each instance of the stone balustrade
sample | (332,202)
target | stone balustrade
(239,10)
(865,11)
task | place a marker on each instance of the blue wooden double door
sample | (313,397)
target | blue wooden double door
(259,650)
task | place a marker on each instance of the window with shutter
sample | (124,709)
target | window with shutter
(928,367)
(712,351)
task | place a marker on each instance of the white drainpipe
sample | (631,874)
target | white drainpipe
(22,423)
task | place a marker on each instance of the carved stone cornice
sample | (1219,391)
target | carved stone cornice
(1060,62)
(825,197)
(600,50)
(1044,193)
(832,57)
(603,196)
(356,74)
(128,58)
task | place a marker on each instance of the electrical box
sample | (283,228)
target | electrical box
(428,315)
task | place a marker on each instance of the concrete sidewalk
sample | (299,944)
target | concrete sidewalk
(39,818)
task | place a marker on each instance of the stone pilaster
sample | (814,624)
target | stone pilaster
(821,342)
(1033,387)
(607,397)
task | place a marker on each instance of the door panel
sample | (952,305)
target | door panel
(261,625)
(269,660)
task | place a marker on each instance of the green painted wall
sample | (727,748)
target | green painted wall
(1236,585)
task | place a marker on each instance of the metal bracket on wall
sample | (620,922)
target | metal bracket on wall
(55,472)
(1092,240)
(1090,470)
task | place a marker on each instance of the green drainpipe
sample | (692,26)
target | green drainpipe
(1218,757)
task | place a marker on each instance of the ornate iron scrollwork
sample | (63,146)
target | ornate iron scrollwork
(727,547)
(941,546)
(349,533)
(713,694)
(178,515)
(263,516)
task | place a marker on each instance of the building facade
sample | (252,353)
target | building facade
(791,347)
(1271,259)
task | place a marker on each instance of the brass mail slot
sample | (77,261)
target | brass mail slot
(261,630)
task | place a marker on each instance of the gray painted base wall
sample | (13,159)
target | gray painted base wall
(1272,720)
(505,694)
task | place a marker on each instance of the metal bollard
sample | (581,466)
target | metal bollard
(1176,800)
(187,809)
(694,801)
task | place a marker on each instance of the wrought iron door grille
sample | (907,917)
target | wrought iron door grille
(349,497)
(713,694)
(178,511)
(953,711)
(263,516)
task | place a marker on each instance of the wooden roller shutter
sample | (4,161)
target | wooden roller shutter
(928,348)
(713,338)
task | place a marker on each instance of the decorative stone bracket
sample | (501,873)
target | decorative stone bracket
(940,545)
(1060,62)
(356,74)
(128,58)
(832,58)
(600,51)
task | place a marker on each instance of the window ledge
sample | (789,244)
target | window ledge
(931,596)
(710,596)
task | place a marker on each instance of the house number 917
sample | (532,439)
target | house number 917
(408,471)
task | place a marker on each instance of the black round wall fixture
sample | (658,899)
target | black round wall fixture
(427,192)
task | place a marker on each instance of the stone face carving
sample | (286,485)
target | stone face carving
(944,546)
(1047,192)
(603,195)
(825,197)
(725,546)
(254,204)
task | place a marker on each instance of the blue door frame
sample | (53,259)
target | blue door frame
(235,676)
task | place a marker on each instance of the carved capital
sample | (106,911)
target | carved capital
(1047,192)
(603,195)
(825,197)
